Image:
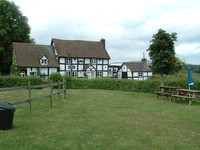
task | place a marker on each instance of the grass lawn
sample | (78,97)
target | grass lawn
(103,120)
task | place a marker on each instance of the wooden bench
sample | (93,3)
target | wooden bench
(187,94)
(166,91)
(163,94)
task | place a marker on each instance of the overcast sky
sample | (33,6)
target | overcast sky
(127,25)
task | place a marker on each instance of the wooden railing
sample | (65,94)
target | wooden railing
(29,87)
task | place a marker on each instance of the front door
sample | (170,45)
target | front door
(124,75)
(91,74)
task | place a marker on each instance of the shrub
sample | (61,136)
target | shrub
(12,81)
(150,85)
(55,77)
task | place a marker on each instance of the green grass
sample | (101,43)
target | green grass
(103,120)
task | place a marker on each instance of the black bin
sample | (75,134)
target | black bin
(6,115)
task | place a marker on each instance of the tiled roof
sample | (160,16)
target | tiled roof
(28,55)
(137,66)
(80,49)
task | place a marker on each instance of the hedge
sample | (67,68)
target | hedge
(150,85)
(13,81)
(113,84)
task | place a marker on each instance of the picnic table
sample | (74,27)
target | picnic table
(187,94)
(166,91)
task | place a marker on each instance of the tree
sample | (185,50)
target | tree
(162,53)
(179,65)
(13,28)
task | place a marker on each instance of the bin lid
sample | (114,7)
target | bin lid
(4,106)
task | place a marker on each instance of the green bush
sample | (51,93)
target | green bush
(12,81)
(112,84)
(55,77)
(150,85)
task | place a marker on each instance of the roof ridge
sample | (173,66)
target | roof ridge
(30,44)
(76,40)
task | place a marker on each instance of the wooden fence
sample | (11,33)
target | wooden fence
(29,87)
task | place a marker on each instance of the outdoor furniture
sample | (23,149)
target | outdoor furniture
(187,94)
(166,91)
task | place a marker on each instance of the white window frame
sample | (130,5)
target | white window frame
(44,61)
(99,73)
(68,60)
(93,61)
(74,74)
(140,74)
(32,73)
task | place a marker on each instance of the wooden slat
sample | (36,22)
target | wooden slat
(40,86)
(20,102)
(13,88)
(54,84)
(39,98)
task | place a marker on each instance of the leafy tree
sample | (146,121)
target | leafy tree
(179,65)
(162,53)
(13,28)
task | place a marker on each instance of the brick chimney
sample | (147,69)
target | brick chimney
(103,42)
(144,61)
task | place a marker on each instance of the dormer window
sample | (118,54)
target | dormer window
(44,61)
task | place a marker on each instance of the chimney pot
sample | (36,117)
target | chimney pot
(103,42)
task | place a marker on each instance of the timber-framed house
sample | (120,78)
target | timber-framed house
(76,58)
(81,59)
(135,70)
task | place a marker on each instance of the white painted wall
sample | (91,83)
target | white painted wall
(87,61)
(74,60)
(99,67)
(31,70)
(135,74)
(80,74)
(105,61)
(51,70)
(129,74)
(99,61)
(105,74)
(62,73)
(62,60)
(150,74)
(144,73)
(43,71)
(105,67)
(80,67)
(62,67)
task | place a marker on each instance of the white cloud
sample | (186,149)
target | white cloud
(188,49)
(126,25)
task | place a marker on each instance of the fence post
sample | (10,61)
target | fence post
(64,87)
(59,91)
(51,91)
(29,99)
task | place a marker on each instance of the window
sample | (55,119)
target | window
(44,61)
(67,73)
(74,74)
(93,61)
(71,67)
(68,60)
(32,73)
(99,74)
(140,74)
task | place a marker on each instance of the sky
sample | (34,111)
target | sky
(126,25)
